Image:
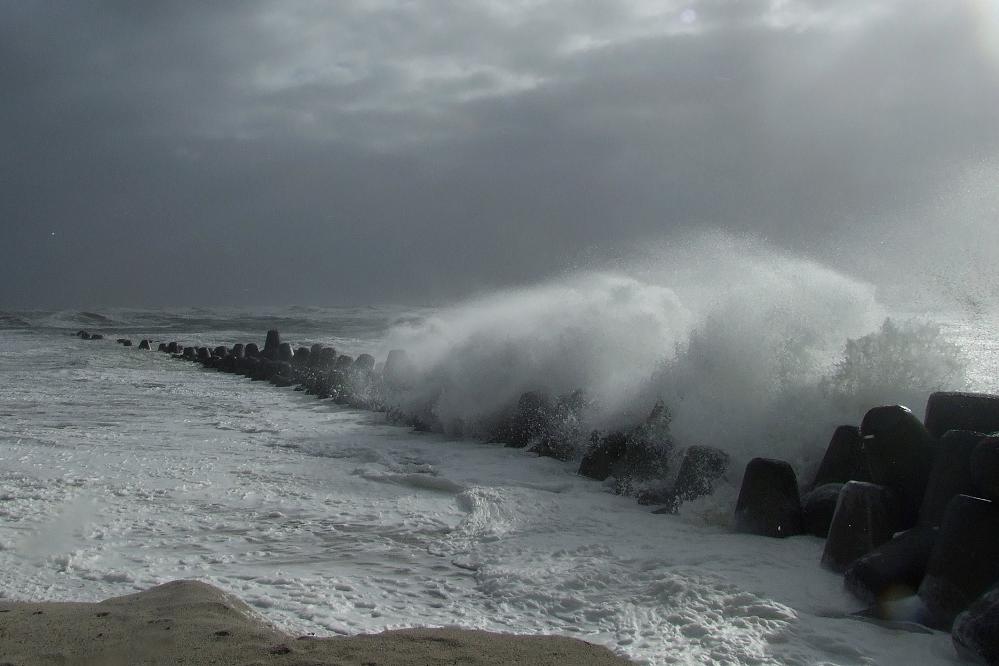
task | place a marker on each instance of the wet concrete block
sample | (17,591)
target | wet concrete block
(965,560)
(866,517)
(769,504)
(951,410)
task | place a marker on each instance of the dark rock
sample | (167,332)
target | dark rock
(204,354)
(844,459)
(96,336)
(81,333)
(399,371)
(976,631)
(238,350)
(220,352)
(268,369)
(894,569)
(84,335)
(174,348)
(527,421)
(965,561)
(818,507)
(322,385)
(260,369)
(644,467)
(985,468)
(249,365)
(251,350)
(144,344)
(162,347)
(327,358)
(225,363)
(768,502)
(604,453)
(950,476)
(343,362)
(301,356)
(962,411)
(701,467)
(332,385)
(364,363)
(899,453)
(272,343)
(866,516)
(285,353)
(190,353)
(124,341)
(281,374)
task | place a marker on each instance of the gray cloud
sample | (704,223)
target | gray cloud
(251,152)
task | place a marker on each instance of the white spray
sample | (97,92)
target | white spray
(738,339)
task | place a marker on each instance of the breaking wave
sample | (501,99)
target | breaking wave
(752,350)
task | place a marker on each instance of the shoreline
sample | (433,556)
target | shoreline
(887,418)
(192,622)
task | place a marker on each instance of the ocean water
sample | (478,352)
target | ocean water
(120,469)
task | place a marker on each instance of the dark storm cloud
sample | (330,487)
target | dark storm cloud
(257,152)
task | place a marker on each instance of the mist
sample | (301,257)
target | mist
(748,346)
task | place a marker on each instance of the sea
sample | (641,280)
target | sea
(121,469)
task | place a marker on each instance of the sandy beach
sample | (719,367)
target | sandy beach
(189,622)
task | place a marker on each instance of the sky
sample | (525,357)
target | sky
(397,151)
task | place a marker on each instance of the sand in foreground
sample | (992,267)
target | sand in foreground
(189,622)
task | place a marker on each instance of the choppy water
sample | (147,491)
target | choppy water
(120,469)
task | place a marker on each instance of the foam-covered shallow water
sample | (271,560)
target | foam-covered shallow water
(120,469)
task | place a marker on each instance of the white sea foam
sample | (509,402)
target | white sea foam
(122,469)
(605,332)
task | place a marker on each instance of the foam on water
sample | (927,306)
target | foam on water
(328,521)
(120,469)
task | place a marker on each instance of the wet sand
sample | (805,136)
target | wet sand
(189,622)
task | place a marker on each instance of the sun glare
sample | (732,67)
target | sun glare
(986,17)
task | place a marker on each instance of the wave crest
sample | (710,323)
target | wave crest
(751,350)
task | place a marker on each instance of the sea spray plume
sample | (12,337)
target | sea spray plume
(601,332)
(737,338)
(725,330)
(767,328)
(900,363)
